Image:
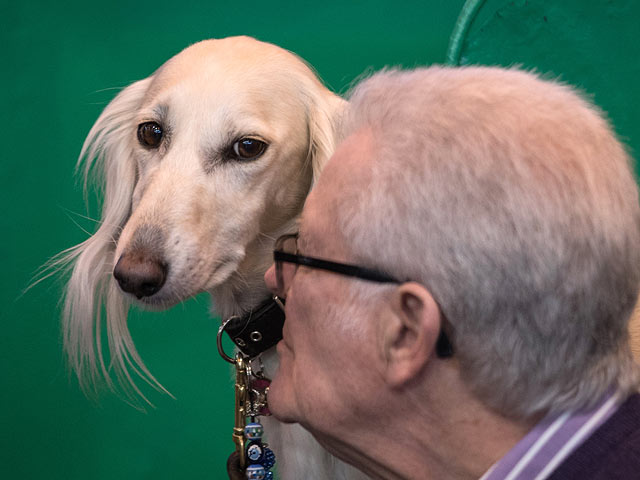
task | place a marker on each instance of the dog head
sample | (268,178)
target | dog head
(204,163)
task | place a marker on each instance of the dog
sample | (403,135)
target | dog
(203,164)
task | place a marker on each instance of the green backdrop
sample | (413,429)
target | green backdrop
(61,64)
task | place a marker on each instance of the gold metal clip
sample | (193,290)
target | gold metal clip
(242,400)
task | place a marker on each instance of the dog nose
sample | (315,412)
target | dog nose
(140,274)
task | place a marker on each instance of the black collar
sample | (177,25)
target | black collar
(258,330)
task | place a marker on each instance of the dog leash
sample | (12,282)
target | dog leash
(253,334)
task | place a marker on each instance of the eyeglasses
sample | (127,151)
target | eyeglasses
(286,252)
(287,260)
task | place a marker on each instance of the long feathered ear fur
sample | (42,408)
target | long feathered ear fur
(91,293)
(324,122)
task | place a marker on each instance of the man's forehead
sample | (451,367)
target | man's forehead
(344,173)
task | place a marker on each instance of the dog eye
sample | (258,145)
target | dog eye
(249,148)
(150,134)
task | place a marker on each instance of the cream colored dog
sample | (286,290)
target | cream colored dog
(204,164)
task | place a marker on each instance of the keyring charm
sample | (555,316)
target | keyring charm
(260,457)
(219,340)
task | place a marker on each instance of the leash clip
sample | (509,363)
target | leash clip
(254,456)
(221,330)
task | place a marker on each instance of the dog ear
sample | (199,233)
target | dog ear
(107,151)
(325,117)
(91,290)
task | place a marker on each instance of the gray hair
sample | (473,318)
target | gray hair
(511,200)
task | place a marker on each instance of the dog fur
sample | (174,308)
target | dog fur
(191,205)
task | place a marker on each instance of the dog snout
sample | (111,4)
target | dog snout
(140,274)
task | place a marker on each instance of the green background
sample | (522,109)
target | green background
(62,63)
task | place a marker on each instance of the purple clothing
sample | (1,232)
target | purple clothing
(560,446)
(612,452)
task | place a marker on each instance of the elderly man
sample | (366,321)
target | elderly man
(458,294)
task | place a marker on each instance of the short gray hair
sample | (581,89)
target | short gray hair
(512,201)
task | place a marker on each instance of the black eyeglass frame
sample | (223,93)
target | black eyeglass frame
(444,348)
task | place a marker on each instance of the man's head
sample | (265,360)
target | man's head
(319,343)
(511,208)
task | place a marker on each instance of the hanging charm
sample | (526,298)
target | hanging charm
(260,457)
(251,390)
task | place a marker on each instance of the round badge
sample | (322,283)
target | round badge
(254,452)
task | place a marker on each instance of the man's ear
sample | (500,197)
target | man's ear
(410,333)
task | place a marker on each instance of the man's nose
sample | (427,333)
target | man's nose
(270,279)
